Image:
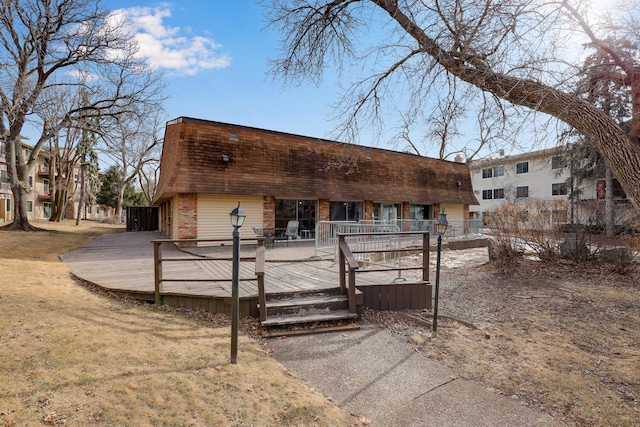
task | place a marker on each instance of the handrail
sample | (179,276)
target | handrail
(158,260)
(346,256)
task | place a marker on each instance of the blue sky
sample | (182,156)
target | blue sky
(214,56)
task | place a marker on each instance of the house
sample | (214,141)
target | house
(542,175)
(208,167)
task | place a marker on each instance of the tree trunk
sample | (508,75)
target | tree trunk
(610,225)
(81,201)
(620,151)
(58,203)
(19,180)
(121,187)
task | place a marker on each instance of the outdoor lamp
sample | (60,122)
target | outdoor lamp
(237,216)
(441,224)
(441,227)
(237,219)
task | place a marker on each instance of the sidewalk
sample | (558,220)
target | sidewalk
(378,376)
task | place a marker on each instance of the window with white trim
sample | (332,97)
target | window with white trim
(559,189)
(522,167)
(522,192)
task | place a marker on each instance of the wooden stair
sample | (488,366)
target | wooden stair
(305,312)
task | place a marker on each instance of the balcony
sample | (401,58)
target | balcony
(43,170)
(44,196)
(598,196)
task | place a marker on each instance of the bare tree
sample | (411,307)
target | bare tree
(132,143)
(50,44)
(148,180)
(516,51)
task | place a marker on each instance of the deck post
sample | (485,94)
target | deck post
(157,270)
(426,241)
(352,290)
(341,260)
(425,256)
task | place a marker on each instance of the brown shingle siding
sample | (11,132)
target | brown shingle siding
(263,162)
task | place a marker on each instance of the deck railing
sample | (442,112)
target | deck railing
(159,260)
(358,250)
(327,233)
(326,243)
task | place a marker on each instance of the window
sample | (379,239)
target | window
(47,210)
(522,192)
(3,176)
(303,211)
(45,182)
(498,193)
(97,209)
(88,208)
(487,173)
(559,189)
(487,194)
(498,171)
(522,167)
(29,206)
(8,205)
(3,148)
(556,162)
(389,212)
(345,211)
(30,181)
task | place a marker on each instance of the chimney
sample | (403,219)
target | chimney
(458,158)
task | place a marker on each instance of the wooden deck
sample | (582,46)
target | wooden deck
(123,263)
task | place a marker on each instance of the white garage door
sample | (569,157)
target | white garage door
(213,215)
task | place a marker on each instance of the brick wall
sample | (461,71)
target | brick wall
(323,209)
(188,216)
(368,210)
(269,213)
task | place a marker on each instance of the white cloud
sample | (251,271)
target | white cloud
(166,47)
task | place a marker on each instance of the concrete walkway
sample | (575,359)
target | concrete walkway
(380,377)
(375,374)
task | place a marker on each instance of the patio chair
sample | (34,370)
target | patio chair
(292,231)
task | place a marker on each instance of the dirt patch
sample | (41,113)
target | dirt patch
(70,356)
(561,338)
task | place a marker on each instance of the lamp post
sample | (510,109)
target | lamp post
(441,227)
(237,219)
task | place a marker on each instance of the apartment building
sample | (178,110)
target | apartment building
(39,198)
(542,175)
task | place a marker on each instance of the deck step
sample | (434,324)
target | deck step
(311,300)
(324,316)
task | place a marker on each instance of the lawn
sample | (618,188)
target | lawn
(74,357)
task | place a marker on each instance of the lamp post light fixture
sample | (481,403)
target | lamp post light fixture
(441,227)
(237,217)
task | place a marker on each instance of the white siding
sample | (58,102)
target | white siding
(539,180)
(213,215)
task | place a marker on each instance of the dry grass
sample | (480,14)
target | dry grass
(71,357)
(561,338)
